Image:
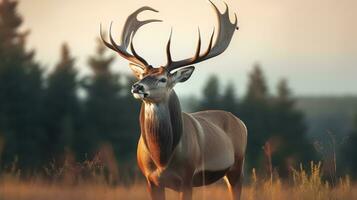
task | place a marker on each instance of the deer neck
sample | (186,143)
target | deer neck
(161,127)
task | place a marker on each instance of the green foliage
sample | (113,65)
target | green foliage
(20,92)
(212,98)
(61,118)
(350,148)
(255,111)
(257,89)
(289,132)
(110,113)
(101,108)
(229,100)
(211,95)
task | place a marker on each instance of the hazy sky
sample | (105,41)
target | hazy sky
(313,43)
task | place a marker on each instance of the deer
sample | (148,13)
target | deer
(179,150)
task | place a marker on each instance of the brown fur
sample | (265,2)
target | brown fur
(180,151)
(162,131)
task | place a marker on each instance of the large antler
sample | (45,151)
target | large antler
(131,26)
(225,33)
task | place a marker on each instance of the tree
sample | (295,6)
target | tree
(211,96)
(110,108)
(349,149)
(101,105)
(255,112)
(289,139)
(20,92)
(229,100)
(129,131)
(257,87)
(110,113)
(62,113)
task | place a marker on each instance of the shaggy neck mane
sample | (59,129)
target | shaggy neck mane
(161,127)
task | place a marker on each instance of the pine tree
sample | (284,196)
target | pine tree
(129,129)
(62,113)
(101,106)
(20,92)
(211,96)
(111,113)
(229,100)
(289,132)
(255,112)
(257,88)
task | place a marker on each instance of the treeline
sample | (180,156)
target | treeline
(43,119)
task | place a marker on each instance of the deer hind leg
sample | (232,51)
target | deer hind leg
(156,192)
(234,179)
(186,187)
(186,193)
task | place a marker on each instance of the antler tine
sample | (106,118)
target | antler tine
(168,53)
(209,48)
(137,55)
(198,48)
(131,26)
(236,21)
(224,36)
(117,48)
(107,44)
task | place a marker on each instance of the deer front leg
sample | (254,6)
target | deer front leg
(156,192)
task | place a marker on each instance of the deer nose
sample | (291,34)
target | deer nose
(136,88)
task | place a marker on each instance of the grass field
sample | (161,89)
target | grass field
(306,185)
(37,191)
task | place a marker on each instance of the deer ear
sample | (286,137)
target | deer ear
(137,70)
(183,74)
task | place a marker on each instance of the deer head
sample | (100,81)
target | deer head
(156,83)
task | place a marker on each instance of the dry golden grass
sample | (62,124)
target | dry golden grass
(306,185)
(37,191)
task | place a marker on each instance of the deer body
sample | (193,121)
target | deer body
(212,142)
(180,150)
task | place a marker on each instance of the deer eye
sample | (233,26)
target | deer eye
(163,80)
